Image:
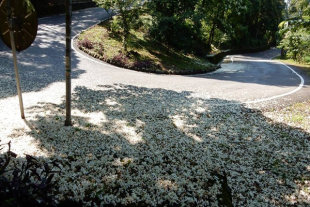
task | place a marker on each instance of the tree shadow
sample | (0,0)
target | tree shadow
(134,145)
(39,66)
(43,63)
(81,19)
(251,70)
(257,68)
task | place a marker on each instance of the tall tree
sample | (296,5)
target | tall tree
(255,22)
(295,31)
(177,24)
(195,26)
(68,121)
(127,10)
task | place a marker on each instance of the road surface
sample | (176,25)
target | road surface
(248,78)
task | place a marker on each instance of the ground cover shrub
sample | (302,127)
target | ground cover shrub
(307,59)
(99,49)
(86,43)
(120,60)
(143,64)
(25,182)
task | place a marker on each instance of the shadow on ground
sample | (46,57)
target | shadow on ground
(133,145)
(43,63)
(253,71)
(39,66)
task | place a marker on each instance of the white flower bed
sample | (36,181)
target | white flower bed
(133,145)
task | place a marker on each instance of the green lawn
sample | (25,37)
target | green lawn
(144,53)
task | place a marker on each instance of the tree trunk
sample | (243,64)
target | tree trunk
(125,29)
(68,62)
(211,36)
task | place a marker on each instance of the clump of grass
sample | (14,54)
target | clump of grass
(297,118)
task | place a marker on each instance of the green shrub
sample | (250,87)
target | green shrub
(296,44)
(25,184)
(120,60)
(307,59)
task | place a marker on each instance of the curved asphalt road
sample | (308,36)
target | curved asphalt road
(251,77)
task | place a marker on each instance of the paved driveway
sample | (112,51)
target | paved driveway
(250,78)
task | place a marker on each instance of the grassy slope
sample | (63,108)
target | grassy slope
(108,45)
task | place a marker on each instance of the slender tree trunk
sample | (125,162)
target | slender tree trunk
(125,40)
(214,24)
(125,30)
(68,121)
(211,36)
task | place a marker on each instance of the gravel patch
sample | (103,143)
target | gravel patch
(135,145)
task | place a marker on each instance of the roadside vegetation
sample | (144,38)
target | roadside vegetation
(175,36)
(302,66)
(104,41)
(294,32)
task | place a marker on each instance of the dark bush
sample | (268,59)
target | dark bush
(100,49)
(120,60)
(133,54)
(143,64)
(175,33)
(27,184)
(86,43)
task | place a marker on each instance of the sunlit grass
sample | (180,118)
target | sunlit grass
(297,118)
(297,114)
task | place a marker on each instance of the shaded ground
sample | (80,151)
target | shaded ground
(133,144)
(43,63)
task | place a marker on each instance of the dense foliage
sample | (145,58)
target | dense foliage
(196,26)
(295,31)
(199,26)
